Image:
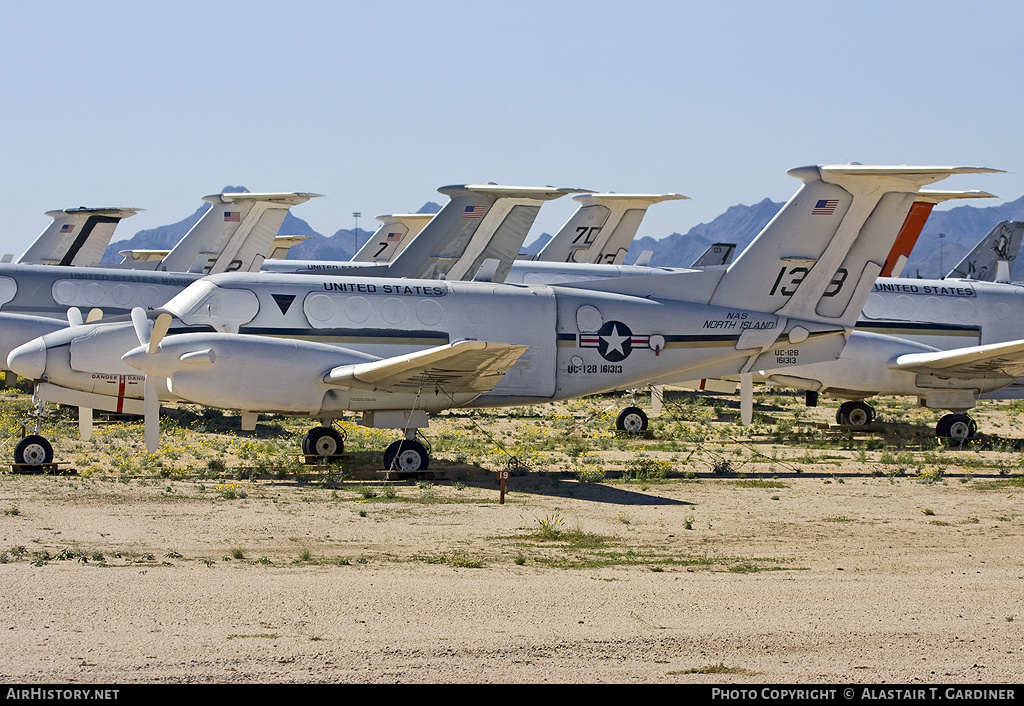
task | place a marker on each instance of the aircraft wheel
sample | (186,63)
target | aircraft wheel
(631,419)
(407,455)
(855,414)
(322,441)
(958,427)
(33,450)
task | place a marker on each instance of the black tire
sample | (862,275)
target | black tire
(407,455)
(632,420)
(959,427)
(857,414)
(860,414)
(323,441)
(33,450)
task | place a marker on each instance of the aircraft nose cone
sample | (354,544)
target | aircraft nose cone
(29,359)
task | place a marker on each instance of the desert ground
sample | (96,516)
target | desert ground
(703,551)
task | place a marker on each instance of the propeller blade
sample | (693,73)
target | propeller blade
(75,316)
(151,414)
(94,315)
(143,329)
(85,423)
(163,322)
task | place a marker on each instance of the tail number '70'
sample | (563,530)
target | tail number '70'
(796,275)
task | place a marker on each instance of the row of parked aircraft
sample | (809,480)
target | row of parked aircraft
(438,312)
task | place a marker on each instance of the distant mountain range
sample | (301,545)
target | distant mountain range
(962,226)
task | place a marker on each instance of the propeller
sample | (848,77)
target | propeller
(150,334)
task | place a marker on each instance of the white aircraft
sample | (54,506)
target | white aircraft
(76,237)
(479,224)
(232,235)
(397,350)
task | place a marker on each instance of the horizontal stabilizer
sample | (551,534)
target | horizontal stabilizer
(1003,359)
(463,366)
(937,196)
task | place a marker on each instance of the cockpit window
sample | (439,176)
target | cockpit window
(206,304)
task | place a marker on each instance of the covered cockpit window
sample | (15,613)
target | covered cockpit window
(206,304)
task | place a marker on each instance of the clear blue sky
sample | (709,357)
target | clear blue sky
(376,104)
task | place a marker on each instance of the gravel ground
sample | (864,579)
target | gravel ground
(826,578)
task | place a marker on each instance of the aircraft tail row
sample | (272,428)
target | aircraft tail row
(480,222)
(818,258)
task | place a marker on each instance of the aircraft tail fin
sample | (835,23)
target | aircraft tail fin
(818,258)
(395,232)
(717,254)
(479,222)
(283,243)
(602,228)
(76,236)
(235,234)
(999,246)
(644,258)
(914,224)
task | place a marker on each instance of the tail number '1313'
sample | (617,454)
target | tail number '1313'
(790,278)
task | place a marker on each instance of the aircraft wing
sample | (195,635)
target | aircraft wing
(463,366)
(1002,359)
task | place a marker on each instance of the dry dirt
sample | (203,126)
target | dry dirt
(830,576)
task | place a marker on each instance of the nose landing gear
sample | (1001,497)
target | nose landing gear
(34,453)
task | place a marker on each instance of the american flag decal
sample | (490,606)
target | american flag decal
(474,212)
(825,207)
(67,228)
(232,216)
(394,237)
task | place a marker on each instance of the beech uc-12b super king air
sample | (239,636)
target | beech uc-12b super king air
(477,223)
(397,350)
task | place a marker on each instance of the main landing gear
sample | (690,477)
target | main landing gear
(855,413)
(324,442)
(956,427)
(406,456)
